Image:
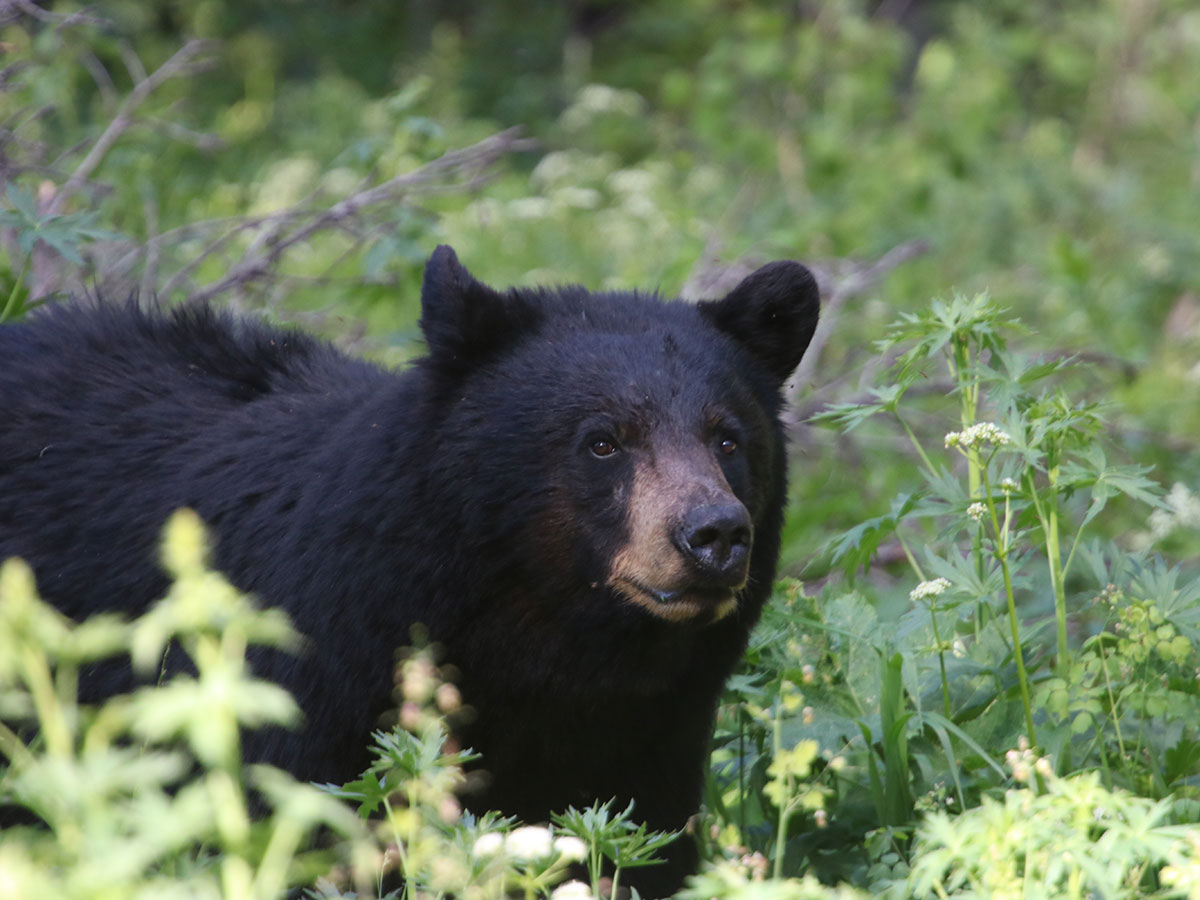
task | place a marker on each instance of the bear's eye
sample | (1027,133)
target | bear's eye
(728,446)
(603,447)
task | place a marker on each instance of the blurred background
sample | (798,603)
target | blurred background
(1046,152)
(300,160)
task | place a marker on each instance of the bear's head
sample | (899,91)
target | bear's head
(616,445)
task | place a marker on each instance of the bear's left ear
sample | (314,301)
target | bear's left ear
(464,320)
(772,314)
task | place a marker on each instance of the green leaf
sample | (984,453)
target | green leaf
(853,549)
(849,416)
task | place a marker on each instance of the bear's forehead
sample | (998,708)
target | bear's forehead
(646,351)
(652,373)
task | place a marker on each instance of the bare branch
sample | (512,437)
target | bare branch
(11,9)
(150,269)
(275,240)
(842,279)
(183,62)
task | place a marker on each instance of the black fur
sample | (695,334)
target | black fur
(458,494)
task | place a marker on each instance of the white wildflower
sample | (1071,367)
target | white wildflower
(632,182)
(603,98)
(1009,486)
(1183,511)
(576,197)
(488,844)
(571,848)
(976,511)
(571,890)
(529,208)
(977,435)
(529,842)
(928,589)
(552,168)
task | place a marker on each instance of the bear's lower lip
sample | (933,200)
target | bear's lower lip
(681,603)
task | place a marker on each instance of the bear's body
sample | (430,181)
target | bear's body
(579,496)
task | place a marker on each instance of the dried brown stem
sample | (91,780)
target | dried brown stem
(843,280)
(183,62)
(281,232)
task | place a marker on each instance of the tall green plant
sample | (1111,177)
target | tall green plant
(147,794)
(1021,472)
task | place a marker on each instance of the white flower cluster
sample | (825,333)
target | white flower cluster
(976,511)
(977,435)
(1008,485)
(529,843)
(928,589)
(1024,763)
(1183,511)
(571,890)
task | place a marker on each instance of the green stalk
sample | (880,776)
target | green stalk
(1056,570)
(1112,701)
(912,437)
(959,365)
(1002,555)
(1022,678)
(11,303)
(1047,514)
(941,661)
(912,560)
(14,749)
(50,714)
(781,831)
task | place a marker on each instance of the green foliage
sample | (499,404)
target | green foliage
(969,594)
(1017,624)
(146,795)
(612,838)
(1054,838)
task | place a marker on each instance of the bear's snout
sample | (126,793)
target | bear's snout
(715,539)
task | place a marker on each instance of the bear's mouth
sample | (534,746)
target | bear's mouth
(680,604)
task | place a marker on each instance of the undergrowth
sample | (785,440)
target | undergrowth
(1008,712)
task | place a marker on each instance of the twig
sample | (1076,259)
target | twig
(150,270)
(271,244)
(841,281)
(10,9)
(181,63)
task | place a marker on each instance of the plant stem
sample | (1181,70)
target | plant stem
(912,560)
(1056,571)
(616,880)
(941,661)
(1112,701)
(917,444)
(1002,555)
(14,749)
(781,831)
(10,304)
(50,714)
(1022,678)
(959,366)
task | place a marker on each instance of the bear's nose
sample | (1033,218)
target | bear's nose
(717,539)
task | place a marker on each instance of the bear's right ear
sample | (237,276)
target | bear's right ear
(772,314)
(464,320)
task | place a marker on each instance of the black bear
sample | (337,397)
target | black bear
(579,495)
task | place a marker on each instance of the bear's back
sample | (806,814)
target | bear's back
(126,356)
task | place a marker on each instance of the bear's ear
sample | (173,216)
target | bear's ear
(464,320)
(772,314)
